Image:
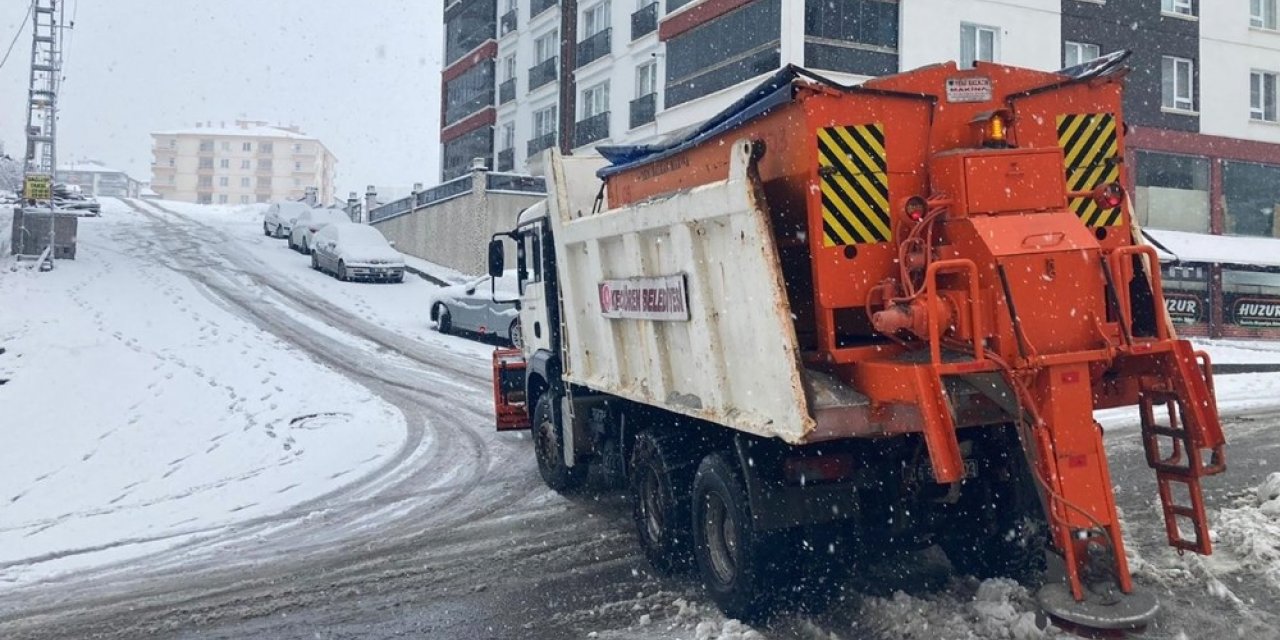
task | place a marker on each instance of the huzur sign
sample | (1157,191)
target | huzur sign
(1256,312)
(1183,308)
(660,298)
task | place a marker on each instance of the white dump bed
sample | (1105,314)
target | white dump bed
(679,303)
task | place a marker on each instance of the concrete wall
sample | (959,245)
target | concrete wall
(455,232)
(930,31)
(1232,49)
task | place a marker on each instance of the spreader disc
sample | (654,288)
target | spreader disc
(1118,611)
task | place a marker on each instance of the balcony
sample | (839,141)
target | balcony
(593,48)
(506,160)
(507,23)
(507,91)
(644,21)
(544,141)
(543,72)
(538,6)
(643,110)
(591,130)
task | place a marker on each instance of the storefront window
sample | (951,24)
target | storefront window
(1251,192)
(1172,192)
(1186,293)
(1251,299)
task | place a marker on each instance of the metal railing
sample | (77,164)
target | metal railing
(507,91)
(644,21)
(507,23)
(644,109)
(593,48)
(543,72)
(517,182)
(544,141)
(672,5)
(445,190)
(591,129)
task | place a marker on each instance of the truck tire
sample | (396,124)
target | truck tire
(1002,531)
(730,554)
(548,448)
(661,479)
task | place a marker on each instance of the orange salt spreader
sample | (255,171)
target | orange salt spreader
(945,223)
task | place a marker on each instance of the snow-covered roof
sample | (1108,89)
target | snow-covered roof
(1202,247)
(257,131)
(89,165)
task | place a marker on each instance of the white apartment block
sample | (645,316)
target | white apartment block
(249,162)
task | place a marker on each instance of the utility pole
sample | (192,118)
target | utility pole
(40,172)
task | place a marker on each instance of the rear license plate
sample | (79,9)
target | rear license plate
(923,473)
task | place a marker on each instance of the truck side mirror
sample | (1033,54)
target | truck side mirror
(497,258)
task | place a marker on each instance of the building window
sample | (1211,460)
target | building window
(467,25)
(205,182)
(469,92)
(263,198)
(246,164)
(297,147)
(544,121)
(509,68)
(206,163)
(172,162)
(853,36)
(224,164)
(1172,192)
(458,154)
(266,147)
(738,46)
(595,19)
(244,199)
(264,182)
(1262,96)
(978,43)
(244,182)
(1075,53)
(224,181)
(264,164)
(248,146)
(297,166)
(173,143)
(1262,14)
(595,100)
(222,198)
(546,47)
(1177,7)
(508,136)
(206,145)
(646,79)
(1251,193)
(1177,84)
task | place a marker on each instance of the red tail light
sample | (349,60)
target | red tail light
(1110,195)
(915,208)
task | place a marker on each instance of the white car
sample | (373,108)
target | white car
(277,222)
(311,221)
(482,306)
(351,251)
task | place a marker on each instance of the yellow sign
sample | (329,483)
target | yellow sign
(39,187)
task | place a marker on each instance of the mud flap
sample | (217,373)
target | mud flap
(511,412)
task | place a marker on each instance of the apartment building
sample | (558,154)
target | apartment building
(1201,107)
(97,179)
(248,162)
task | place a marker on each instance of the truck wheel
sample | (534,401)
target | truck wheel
(661,477)
(1001,531)
(548,439)
(729,555)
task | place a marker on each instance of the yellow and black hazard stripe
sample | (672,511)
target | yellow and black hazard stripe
(1091,156)
(855,185)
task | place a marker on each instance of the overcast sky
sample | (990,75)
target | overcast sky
(361,75)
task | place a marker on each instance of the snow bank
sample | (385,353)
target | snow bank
(1247,534)
(997,609)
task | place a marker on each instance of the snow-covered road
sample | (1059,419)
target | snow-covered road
(203,438)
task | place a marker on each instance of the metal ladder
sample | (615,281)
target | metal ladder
(1176,449)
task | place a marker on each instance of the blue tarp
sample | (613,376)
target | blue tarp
(772,92)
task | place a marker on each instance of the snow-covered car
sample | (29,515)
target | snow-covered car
(481,306)
(311,221)
(277,222)
(351,251)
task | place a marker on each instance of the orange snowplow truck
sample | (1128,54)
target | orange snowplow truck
(883,315)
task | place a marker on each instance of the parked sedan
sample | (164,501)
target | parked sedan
(352,251)
(470,308)
(277,222)
(311,221)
